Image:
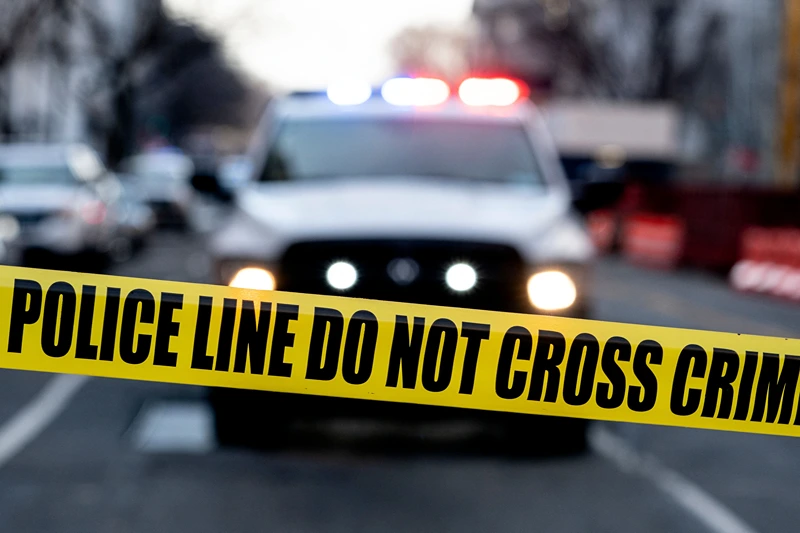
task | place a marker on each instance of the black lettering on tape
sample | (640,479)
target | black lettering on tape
(611,395)
(225,340)
(362,330)
(167,328)
(581,368)
(719,385)
(26,307)
(327,323)
(58,319)
(200,358)
(282,338)
(138,298)
(550,349)
(776,388)
(252,338)
(683,402)
(84,349)
(405,353)
(641,399)
(442,339)
(475,335)
(746,386)
(108,337)
(723,384)
(517,344)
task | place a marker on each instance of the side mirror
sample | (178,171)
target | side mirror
(205,181)
(601,190)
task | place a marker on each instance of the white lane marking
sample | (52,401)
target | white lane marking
(174,427)
(712,513)
(32,419)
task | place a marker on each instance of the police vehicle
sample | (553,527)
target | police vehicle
(415,192)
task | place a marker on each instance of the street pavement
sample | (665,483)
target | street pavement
(126,456)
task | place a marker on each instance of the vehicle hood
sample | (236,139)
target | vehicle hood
(37,198)
(273,216)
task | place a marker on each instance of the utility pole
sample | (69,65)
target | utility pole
(789,111)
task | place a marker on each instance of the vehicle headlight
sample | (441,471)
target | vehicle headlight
(341,275)
(552,291)
(253,278)
(461,277)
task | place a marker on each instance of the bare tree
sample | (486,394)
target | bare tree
(153,67)
(431,50)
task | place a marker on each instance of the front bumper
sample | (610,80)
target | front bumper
(501,286)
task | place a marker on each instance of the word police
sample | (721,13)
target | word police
(419,354)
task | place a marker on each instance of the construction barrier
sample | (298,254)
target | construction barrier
(769,262)
(653,240)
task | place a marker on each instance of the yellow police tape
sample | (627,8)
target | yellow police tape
(331,346)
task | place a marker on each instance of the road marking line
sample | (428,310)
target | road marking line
(174,427)
(712,513)
(34,417)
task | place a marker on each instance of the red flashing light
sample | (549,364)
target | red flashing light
(495,92)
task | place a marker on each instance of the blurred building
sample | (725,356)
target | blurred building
(56,79)
(716,59)
(114,73)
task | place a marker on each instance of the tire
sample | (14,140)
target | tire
(248,419)
(546,436)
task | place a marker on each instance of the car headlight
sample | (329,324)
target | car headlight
(341,275)
(461,277)
(253,278)
(552,291)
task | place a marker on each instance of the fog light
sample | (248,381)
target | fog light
(341,275)
(551,291)
(461,277)
(253,278)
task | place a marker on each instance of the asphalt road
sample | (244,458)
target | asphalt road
(125,456)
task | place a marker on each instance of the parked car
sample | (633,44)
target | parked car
(137,219)
(164,182)
(63,201)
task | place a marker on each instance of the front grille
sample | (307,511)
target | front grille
(501,272)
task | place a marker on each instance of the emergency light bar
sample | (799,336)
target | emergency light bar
(421,92)
(498,92)
(349,92)
(415,91)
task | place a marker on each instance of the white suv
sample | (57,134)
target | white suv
(411,195)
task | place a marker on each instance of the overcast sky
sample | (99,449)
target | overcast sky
(295,44)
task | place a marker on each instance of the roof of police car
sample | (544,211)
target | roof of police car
(317,105)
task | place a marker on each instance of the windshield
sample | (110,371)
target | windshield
(31,175)
(307,149)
